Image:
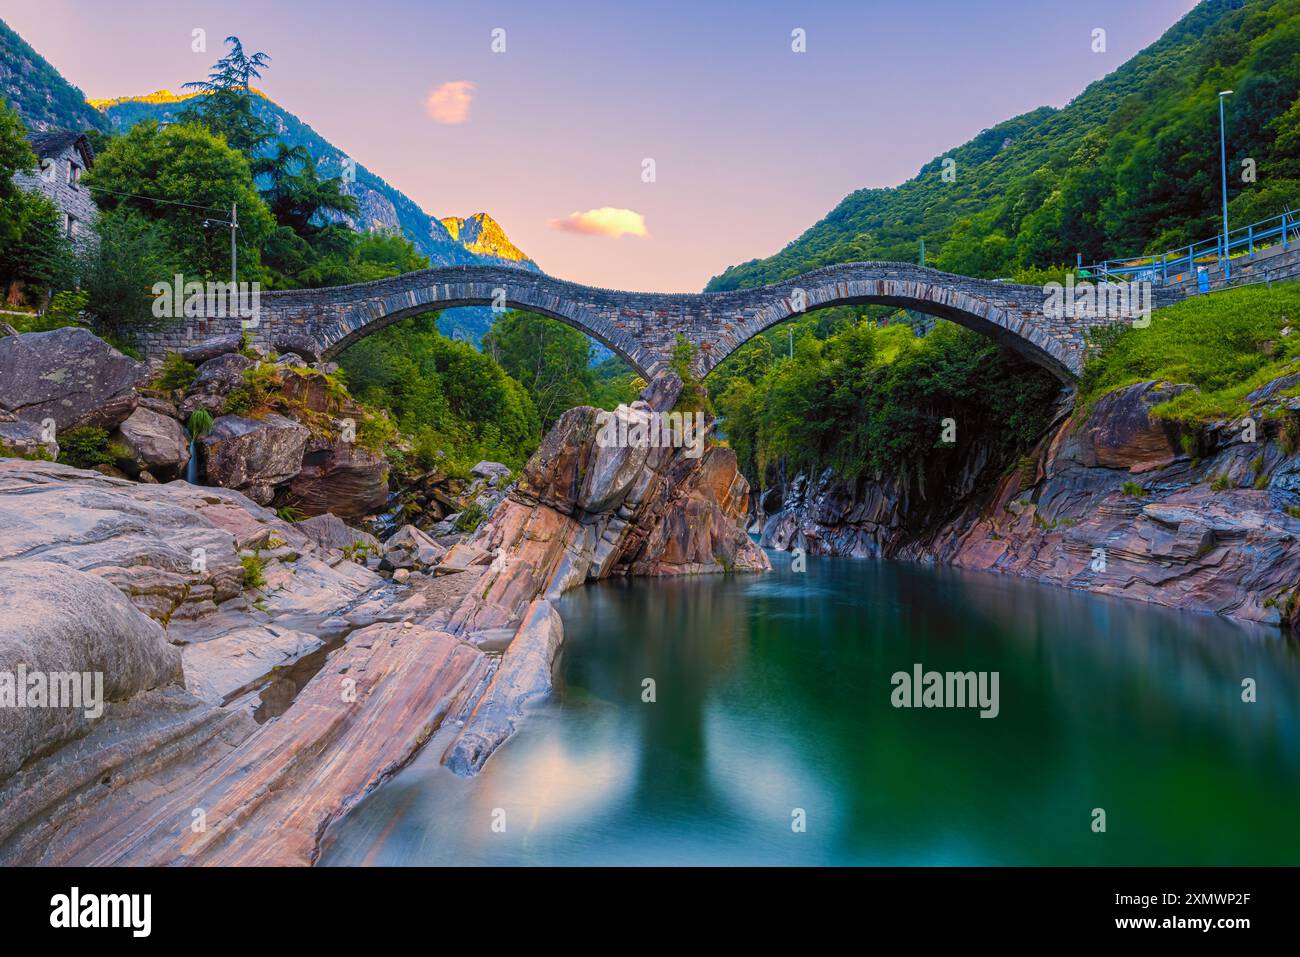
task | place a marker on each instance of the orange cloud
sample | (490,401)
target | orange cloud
(605,221)
(450,102)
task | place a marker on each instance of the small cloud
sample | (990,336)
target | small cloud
(605,221)
(450,102)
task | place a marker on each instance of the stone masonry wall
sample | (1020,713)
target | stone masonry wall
(643,327)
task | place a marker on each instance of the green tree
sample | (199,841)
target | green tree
(296,194)
(549,359)
(226,108)
(458,403)
(33,248)
(178,176)
(15,156)
(131,248)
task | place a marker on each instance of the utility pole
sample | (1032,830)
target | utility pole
(233,223)
(234,256)
(1223,162)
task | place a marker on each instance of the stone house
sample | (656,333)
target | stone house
(63,157)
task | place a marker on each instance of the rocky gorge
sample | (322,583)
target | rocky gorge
(1113,500)
(266,664)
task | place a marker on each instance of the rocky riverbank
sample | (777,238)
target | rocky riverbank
(1113,500)
(262,675)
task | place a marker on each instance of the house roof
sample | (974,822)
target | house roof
(54,142)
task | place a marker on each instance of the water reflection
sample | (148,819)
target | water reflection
(772,693)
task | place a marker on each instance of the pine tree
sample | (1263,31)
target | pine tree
(227,106)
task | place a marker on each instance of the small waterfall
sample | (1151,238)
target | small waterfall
(192,470)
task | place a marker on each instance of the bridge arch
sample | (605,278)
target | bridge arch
(353,325)
(1010,314)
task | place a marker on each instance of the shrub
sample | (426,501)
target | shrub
(375,432)
(470,519)
(65,309)
(1133,489)
(254,567)
(86,447)
(1221,483)
(199,424)
(176,373)
(359,551)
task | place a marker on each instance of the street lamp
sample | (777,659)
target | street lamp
(1223,160)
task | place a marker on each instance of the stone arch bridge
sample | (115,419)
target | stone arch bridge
(642,327)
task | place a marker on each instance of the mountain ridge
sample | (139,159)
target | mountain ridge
(38,91)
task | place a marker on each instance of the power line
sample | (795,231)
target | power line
(154,199)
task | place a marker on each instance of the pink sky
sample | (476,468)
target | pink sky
(752,142)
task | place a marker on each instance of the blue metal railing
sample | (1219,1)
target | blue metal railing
(1180,265)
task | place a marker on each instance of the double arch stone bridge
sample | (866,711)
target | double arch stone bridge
(643,327)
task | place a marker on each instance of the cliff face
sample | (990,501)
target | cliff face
(1112,501)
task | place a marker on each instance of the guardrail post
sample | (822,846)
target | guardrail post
(1250,238)
(1284,229)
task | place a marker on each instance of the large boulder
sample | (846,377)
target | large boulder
(553,475)
(216,379)
(412,549)
(298,344)
(1119,432)
(494,473)
(340,477)
(211,348)
(70,376)
(158,442)
(58,621)
(333,534)
(254,455)
(27,439)
(151,541)
(308,389)
(613,468)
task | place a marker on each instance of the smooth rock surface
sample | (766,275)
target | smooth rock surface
(54,618)
(158,442)
(254,455)
(68,375)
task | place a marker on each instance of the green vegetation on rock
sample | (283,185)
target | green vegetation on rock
(1226,344)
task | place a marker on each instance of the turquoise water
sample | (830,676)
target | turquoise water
(773,693)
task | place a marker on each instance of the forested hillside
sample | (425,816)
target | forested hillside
(38,92)
(1130,165)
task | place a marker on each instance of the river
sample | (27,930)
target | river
(772,738)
